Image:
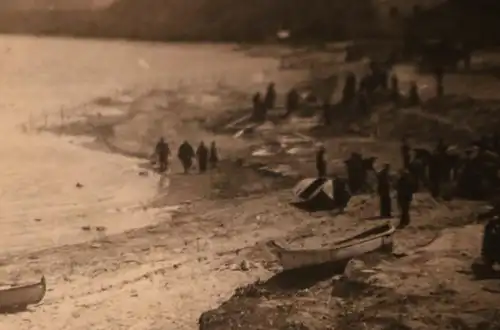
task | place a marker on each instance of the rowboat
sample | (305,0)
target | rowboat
(378,238)
(22,296)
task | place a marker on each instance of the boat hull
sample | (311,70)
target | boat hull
(382,238)
(20,297)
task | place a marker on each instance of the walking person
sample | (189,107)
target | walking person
(186,155)
(202,156)
(162,152)
(213,158)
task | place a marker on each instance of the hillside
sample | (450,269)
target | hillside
(216,20)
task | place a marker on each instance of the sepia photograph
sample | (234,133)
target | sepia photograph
(250,165)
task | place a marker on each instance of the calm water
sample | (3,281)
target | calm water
(39,204)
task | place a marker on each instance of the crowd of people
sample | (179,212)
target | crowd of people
(444,172)
(357,182)
(205,156)
(261,105)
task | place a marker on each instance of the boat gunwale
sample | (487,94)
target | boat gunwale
(348,243)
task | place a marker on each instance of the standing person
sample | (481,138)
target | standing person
(405,153)
(341,195)
(349,91)
(435,174)
(395,89)
(384,192)
(186,155)
(327,113)
(162,152)
(413,96)
(214,155)
(202,156)
(405,190)
(321,162)
(292,102)
(257,107)
(270,98)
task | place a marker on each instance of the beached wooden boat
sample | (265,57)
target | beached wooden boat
(22,296)
(370,240)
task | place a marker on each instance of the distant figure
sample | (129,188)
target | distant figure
(186,155)
(395,89)
(363,105)
(258,111)
(341,195)
(355,173)
(162,152)
(349,91)
(413,96)
(417,170)
(405,153)
(327,113)
(270,98)
(202,156)
(439,76)
(405,189)
(292,102)
(490,249)
(321,162)
(384,192)
(214,155)
(435,174)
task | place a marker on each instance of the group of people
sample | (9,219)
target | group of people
(445,171)
(186,154)
(357,182)
(262,104)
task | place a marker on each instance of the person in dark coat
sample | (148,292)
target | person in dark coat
(384,192)
(395,89)
(202,156)
(417,170)
(327,113)
(186,155)
(413,96)
(435,174)
(349,91)
(355,173)
(405,153)
(341,195)
(258,112)
(292,102)
(214,155)
(405,189)
(162,152)
(270,98)
(321,162)
(490,249)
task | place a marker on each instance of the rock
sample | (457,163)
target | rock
(244,266)
(86,228)
(79,185)
(143,173)
(100,228)
(354,269)
(38,219)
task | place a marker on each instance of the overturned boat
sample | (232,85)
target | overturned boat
(378,238)
(18,298)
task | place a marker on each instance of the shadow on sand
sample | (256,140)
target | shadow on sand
(304,278)
(13,310)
